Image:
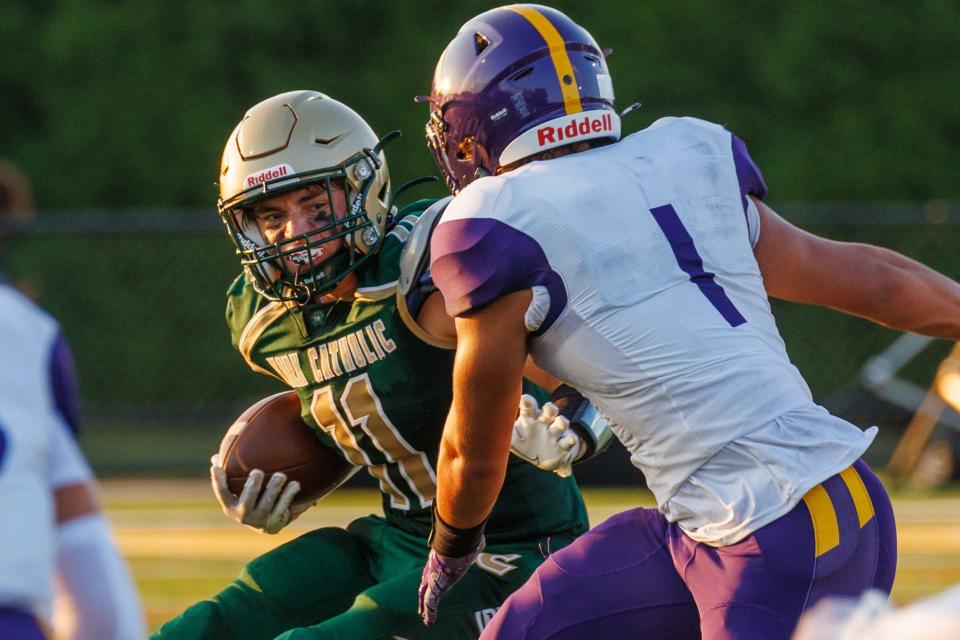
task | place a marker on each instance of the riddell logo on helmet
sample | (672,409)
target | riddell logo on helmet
(575,129)
(270,173)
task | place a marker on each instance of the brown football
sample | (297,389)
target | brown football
(271,436)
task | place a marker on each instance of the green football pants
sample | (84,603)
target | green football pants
(353,583)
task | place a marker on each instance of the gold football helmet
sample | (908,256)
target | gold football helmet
(288,142)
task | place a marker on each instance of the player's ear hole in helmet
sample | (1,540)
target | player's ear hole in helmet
(516,81)
(286,143)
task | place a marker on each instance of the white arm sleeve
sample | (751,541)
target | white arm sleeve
(95,596)
(95,599)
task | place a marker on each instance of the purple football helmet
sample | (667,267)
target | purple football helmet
(515,81)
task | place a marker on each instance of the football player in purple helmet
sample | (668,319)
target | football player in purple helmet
(639,272)
(514,82)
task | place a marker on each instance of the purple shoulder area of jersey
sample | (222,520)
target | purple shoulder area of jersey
(474,261)
(748,175)
(63,384)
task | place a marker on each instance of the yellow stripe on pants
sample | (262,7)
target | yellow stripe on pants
(826,531)
(861,499)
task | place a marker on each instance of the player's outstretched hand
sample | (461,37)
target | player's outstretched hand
(544,438)
(268,511)
(439,574)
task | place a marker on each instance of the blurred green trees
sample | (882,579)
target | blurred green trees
(129,102)
(122,106)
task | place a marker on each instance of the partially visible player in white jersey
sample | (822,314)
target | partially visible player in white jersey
(53,536)
(872,617)
(638,271)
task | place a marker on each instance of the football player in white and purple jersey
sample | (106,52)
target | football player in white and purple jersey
(638,270)
(53,536)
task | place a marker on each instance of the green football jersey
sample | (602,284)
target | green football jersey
(377,389)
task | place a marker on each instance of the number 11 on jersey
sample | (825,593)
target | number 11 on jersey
(363,411)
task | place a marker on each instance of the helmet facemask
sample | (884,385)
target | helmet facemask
(436,131)
(461,165)
(305,140)
(267,264)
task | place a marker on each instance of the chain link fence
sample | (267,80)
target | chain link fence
(141,296)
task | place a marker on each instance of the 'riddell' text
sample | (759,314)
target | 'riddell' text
(589,124)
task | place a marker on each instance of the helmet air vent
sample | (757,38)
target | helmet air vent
(523,73)
(327,140)
(465,149)
(480,42)
(263,132)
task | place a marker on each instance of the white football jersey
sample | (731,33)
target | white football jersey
(29,428)
(649,300)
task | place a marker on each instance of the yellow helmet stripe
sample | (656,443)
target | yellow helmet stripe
(558,53)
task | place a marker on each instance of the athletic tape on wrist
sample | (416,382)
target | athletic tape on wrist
(451,541)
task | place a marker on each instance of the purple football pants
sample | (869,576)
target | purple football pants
(19,625)
(638,576)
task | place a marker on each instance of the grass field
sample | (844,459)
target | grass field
(182,549)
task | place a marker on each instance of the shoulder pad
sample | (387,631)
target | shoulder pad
(416,250)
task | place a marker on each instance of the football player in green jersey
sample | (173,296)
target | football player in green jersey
(324,306)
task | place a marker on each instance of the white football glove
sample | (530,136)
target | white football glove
(544,438)
(269,511)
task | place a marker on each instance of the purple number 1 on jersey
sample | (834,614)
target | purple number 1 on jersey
(692,264)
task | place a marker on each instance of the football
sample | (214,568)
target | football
(271,436)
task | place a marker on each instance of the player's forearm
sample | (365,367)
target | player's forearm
(476,442)
(97,599)
(467,488)
(863,280)
(491,353)
(907,295)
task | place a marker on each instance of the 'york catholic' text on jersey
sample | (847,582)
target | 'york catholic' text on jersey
(648,298)
(374,389)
